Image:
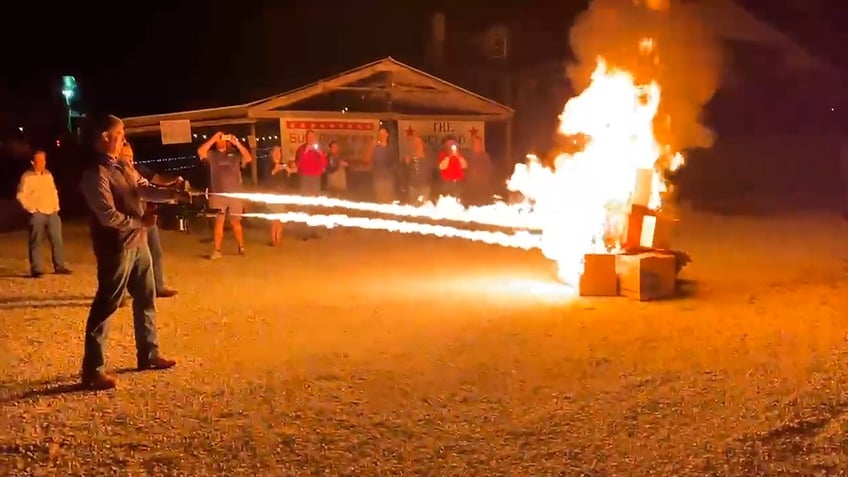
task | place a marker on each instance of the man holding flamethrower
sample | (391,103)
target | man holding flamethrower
(118,222)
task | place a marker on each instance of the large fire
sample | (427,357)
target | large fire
(583,199)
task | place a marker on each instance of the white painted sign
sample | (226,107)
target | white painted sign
(176,132)
(434,132)
(354,136)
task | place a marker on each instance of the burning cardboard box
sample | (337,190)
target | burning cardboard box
(647,276)
(647,228)
(599,275)
(644,188)
(656,231)
(635,222)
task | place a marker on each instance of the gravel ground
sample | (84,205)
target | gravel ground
(374,354)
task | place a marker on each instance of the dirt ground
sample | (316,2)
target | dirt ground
(367,353)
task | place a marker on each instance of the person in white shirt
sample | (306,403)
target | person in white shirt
(37,194)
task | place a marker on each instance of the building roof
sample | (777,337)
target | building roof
(395,87)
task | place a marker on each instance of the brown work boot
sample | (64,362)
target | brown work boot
(166,293)
(156,363)
(99,381)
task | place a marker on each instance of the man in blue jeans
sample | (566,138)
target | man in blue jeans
(37,194)
(115,193)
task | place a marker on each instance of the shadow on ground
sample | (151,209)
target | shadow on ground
(37,302)
(11,392)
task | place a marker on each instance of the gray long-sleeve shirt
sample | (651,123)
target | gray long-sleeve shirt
(115,194)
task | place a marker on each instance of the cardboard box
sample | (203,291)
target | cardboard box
(656,231)
(644,187)
(647,276)
(599,275)
(635,222)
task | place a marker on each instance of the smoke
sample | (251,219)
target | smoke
(685,59)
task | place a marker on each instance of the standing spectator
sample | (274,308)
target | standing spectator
(419,173)
(311,164)
(37,194)
(280,172)
(225,167)
(154,240)
(478,179)
(452,167)
(383,168)
(336,171)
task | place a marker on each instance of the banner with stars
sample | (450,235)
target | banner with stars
(353,135)
(434,132)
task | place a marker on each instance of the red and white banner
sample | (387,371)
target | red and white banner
(434,133)
(354,136)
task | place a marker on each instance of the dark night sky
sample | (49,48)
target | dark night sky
(188,54)
(167,56)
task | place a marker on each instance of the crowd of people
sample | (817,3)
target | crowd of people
(409,173)
(122,197)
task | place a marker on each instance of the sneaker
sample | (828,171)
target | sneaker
(215,255)
(62,271)
(35,274)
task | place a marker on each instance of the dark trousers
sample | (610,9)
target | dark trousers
(128,270)
(49,225)
(154,242)
(478,194)
(309,186)
(418,194)
(384,189)
(452,189)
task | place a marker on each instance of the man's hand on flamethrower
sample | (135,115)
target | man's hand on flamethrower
(184,197)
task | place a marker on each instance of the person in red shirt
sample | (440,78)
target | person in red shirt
(311,162)
(452,167)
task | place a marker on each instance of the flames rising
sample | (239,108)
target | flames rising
(585,197)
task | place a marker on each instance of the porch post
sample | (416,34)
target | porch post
(254,167)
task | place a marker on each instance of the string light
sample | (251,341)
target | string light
(188,162)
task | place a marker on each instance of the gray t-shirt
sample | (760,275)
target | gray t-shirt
(224,171)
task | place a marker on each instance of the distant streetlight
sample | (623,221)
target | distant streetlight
(69,92)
